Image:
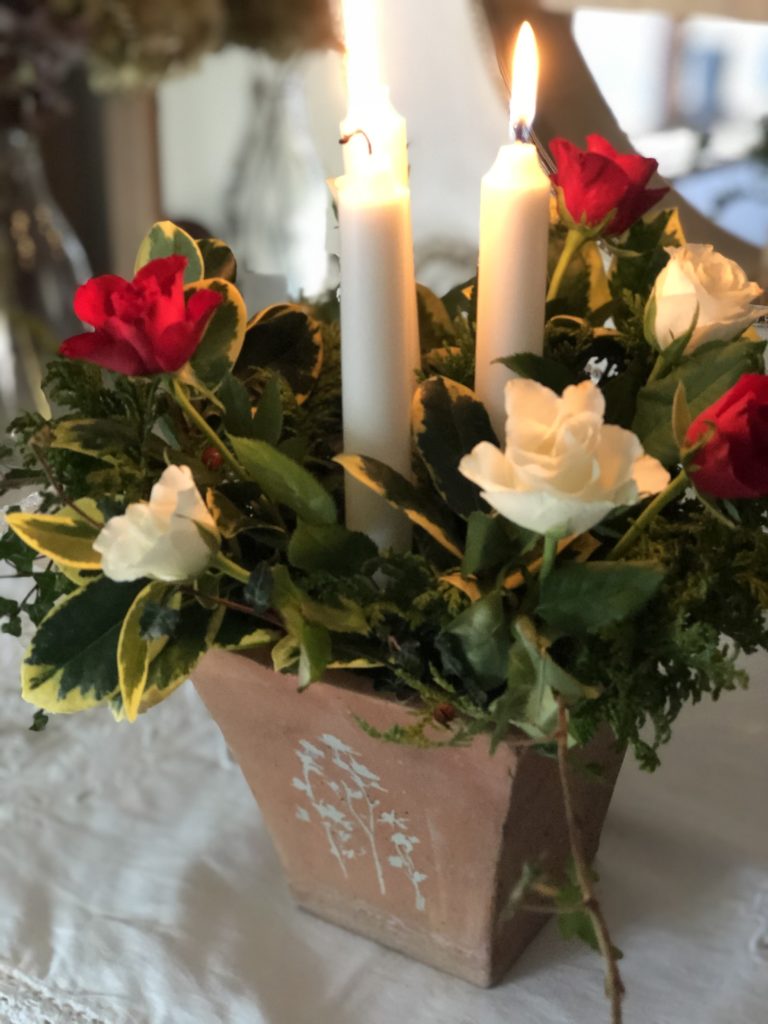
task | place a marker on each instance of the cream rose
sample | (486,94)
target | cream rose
(160,539)
(698,278)
(563,469)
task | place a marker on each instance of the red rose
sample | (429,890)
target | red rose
(596,182)
(144,326)
(734,462)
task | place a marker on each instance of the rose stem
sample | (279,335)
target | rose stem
(183,399)
(614,986)
(658,367)
(551,541)
(573,242)
(60,490)
(659,503)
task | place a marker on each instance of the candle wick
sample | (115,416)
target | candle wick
(358,131)
(521,132)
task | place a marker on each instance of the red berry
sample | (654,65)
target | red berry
(444,713)
(212,458)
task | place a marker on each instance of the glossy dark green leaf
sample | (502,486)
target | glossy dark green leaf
(551,374)
(448,421)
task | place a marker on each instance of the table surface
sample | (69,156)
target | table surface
(138,886)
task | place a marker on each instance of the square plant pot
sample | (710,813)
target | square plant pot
(416,848)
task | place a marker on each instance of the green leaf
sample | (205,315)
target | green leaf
(491,543)
(584,598)
(528,702)
(218,259)
(314,653)
(483,633)
(551,374)
(223,340)
(72,661)
(134,649)
(284,481)
(236,399)
(402,494)
(448,421)
(548,673)
(288,340)
(166,239)
(268,421)
(64,537)
(297,608)
(706,375)
(332,549)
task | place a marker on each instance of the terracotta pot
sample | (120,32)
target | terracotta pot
(416,848)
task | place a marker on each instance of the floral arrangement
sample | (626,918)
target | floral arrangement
(605,562)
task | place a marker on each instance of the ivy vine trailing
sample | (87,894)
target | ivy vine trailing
(486,626)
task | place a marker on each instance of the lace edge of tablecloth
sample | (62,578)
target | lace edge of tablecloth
(25,1000)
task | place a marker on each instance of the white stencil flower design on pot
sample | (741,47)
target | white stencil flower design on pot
(346,798)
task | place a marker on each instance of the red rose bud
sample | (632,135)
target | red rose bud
(144,326)
(733,463)
(596,182)
(212,458)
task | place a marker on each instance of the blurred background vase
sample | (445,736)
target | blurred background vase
(277,206)
(41,264)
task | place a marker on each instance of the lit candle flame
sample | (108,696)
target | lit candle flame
(525,81)
(362,51)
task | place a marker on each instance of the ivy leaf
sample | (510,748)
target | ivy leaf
(584,598)
(258,589)
(483,635)
(158,620)
(448,421)
(39,722)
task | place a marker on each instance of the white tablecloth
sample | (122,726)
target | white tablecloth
(138,886)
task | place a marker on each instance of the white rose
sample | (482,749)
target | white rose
(160,539)
(564,469)
(698,278)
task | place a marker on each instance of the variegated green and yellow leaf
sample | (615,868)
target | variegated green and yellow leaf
(167,239)
(64,537)
(401,494)
(71,664)
(134,651)
(223,340)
